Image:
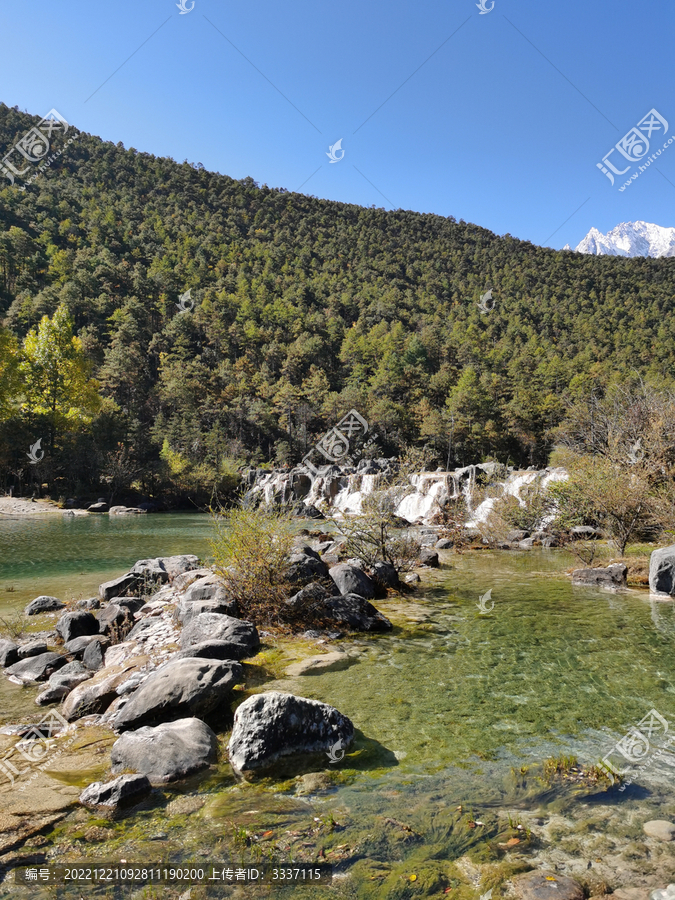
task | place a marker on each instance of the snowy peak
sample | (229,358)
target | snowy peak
(630,239)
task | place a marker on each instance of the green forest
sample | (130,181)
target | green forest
(299,310)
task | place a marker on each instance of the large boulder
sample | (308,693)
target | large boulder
(118,586)
(273,725)
(181,688)
(305,567)
(306,600)
(150,570)
(612,577)
(77,646)
(76,624)
(207,650)
(9,653)
(120,791)
(185,612)
(662,571)
(33,648)
(242,635)
(167,752)
(115,620)
(37,668)
(94,656)
(62,682)
(95,695)
(350,580)
(354,613)
(43,604)
(384,575)
(208,588)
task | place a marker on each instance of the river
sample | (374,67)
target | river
(455,712)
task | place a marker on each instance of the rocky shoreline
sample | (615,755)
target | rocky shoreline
(145,676)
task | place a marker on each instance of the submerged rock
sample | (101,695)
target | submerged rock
(546,886)
(178,689)
(662,571)
(273,725)
(167,752)
(353,612)
(317,665)
(613,576)
(43,604)
(117,792)
(348,579)
(660,829)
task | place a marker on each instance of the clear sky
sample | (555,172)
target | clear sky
(497,118)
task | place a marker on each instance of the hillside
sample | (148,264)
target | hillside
(304,308)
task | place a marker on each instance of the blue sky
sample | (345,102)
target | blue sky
(498,119)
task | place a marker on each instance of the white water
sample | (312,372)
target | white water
(343,494)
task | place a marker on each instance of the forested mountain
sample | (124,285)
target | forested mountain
(303,308)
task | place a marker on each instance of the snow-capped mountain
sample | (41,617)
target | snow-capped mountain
(629,239)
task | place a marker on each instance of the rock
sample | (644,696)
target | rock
(660,829)
(412,578)
(515,537)
(116,793)
(34,648)
(125,511)
(179,689)
(306,550)
(88,603)
(429,558)
(306,598)
(176,566)
(182,582)
(132,604)
(93,656)
(550,542)
(526,544)
(185,612)
(354,613)
(317,665)
(584,533)
(613,576)
(208,650)
(52,695)
(662,571)
(444,544)
(385,575)
(43,604)
(75,624)
(350,580)
(242,635)
(273,725)
(77,646)
(150,570)
(325,546)
(122,585)
(61,683)
(37,668)
(114,620)
(9,653)
(100,507)
(544,885)
(304,568)
(95,695)
(167,752)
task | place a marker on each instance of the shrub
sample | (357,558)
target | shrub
(251,548)
(371,536)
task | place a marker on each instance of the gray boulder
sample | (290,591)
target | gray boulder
(37,668)
(350,580)
(150,570)
(52,695)
(444,544)
(179,689)
(9,653)
(306,599)
(167,752)
(613,576)
(93,656)
(118,586)
(114,620)
(100,507)
(208,650)
(242,635)
(95,695)
(354,613)
(88,603)
(116,793)
(584,533)
(43,604)
(273,725)
(179,565)
(77,646)
(61,683)
(662,571)
(131,604)
(515,537)
(384,575)
(304,568)
(429,557)
(33,648)
(185,612)
(75,624)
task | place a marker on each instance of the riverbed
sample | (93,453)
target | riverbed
(455,710)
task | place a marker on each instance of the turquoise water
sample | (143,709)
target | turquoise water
(452,709)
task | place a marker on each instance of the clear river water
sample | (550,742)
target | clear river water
(443,792)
